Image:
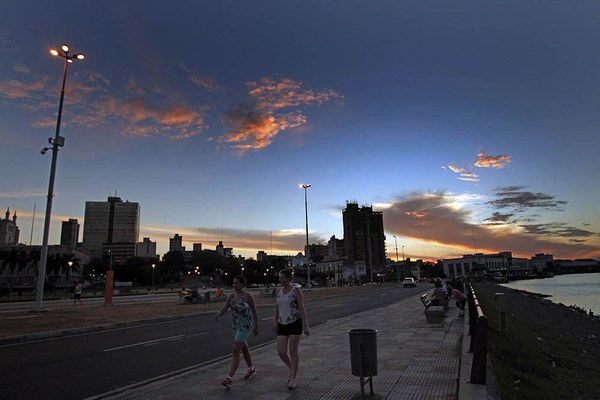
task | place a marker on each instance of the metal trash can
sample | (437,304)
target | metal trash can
(363,355)
(363,352)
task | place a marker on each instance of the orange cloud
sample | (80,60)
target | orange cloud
(253,130)
(254,127)
(14,89)
(200,81)
(274,95)
(484,161)
(455,168)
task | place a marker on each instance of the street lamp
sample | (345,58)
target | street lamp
(306,250)
(403,261)
(56,142)
(397,265)
(70,264)
(153,265)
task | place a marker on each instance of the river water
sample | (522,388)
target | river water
(581,290)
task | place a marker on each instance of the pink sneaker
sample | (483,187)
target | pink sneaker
(250,373)
(227,382)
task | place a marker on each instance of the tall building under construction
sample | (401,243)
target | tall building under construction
(364,239)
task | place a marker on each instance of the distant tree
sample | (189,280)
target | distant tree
(209,262)
(172,265)
(10,260)
(98,266)
(129,270)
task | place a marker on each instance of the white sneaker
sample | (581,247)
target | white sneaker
(292,385)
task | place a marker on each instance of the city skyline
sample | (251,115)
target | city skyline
(471,127)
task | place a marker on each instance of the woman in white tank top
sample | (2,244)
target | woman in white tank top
(289,321)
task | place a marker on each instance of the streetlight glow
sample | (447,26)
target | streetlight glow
(56,142)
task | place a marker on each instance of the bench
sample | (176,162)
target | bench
(434,314)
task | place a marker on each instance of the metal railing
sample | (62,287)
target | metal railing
(478,330)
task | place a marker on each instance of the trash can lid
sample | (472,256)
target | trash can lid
(362,330)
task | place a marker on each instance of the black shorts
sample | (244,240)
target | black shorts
(295,328)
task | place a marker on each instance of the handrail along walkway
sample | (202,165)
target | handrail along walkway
(478,329)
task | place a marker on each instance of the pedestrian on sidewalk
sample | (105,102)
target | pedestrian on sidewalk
(289,321)
(461,300)
(77,295)
(245,318)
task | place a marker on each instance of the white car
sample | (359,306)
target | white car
(409,282)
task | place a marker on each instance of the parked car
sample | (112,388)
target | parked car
(409,282)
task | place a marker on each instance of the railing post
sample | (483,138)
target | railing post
(479,366)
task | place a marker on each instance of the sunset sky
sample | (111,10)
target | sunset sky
(473,126)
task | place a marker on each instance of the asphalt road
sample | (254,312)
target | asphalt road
(86,365)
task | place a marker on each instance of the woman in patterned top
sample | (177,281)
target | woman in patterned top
(289,321)
(245,317)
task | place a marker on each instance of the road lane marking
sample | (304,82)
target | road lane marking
(266,319)
(155,341)
(333,305)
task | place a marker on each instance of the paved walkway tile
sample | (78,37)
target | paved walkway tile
(415,360)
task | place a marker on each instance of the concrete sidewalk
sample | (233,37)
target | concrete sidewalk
(416,360)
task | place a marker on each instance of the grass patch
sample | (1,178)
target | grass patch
(536,359)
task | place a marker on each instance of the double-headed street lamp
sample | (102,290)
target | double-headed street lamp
(56,142)
(305,186)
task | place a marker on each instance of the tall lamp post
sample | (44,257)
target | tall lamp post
(305,186)
(403,261)
(56,142)
(153,266)
(397,265)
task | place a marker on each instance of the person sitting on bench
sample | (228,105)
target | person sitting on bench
(438,297)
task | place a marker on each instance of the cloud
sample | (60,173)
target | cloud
(558,229)
(276,94)
(435,218)
(254,126)
(23,194)
(22,69)
(499,217)
(142,118)
(137,109)
(514,197)
(455,168)
(200,81)
(484,161)
(463,173)
(15,89)
(469,176)
(253,130)
(288,242)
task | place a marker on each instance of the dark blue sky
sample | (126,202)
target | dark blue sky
(472,126)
